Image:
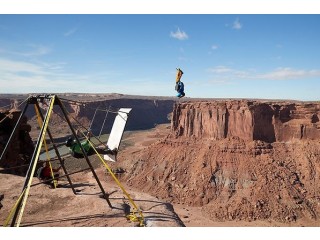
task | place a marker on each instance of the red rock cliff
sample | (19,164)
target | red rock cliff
(248,120)
(239,160)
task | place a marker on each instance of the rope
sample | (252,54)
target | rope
(46,148)
(24,195)
(132,217)
(24,165)
(41,138)
(65,175)
(9,114)
(94,115)
(14,209)
(104,121)
(84,103)
(9,105)
(79,124)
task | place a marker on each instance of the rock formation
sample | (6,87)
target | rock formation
(248,120)
(20,151)
(240,160)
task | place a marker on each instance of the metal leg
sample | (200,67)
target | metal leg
(35,156)
(106,196)
(33,161)
(57,151)
(104,120)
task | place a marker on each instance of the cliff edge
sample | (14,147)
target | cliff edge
(248,120)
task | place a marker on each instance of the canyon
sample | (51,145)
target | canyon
(237,159)
(233,160)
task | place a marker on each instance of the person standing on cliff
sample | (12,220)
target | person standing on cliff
(179,85)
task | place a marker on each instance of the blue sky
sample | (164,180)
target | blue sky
(222,55)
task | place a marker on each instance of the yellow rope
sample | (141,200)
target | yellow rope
(14,209)
(24,200)
(132,217)
(46,148)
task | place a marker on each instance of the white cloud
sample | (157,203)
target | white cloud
(236,24)
(30,50)
(277,74)
(214,47)
(219,81)
(220,69)
(289,73)
(28,77)
(9,66)
(22,76)
(37,50)
(180,35)
(70,32)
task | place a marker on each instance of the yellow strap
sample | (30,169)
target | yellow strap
(46,147)
(13,209)
(24,200)
(132,216)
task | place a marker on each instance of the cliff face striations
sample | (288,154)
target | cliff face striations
(240,160)
(248,120)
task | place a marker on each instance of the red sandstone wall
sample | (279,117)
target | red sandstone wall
(240,160)
(248,120)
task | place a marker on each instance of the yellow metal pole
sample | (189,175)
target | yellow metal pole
(46,147)
(45,125)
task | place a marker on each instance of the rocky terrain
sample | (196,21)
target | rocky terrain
(20,152)
(221,162)
(239,160)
